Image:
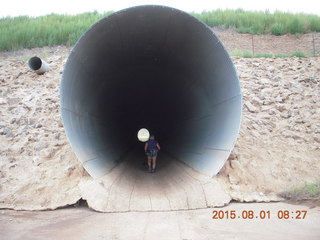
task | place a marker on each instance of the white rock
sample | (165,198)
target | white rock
(3,101)
(281,107)
(56,136)
(48,153)
(13,120)
(41,145)
(250,107)
(6,131)
(22,130)
(36,161)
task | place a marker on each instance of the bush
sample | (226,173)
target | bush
(302,192)
(244,54)
(295,25)
(314,24)
(281,55)
(247,54)
(277,29)
(263,55)
(298,54)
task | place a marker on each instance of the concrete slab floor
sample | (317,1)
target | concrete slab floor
(174,186)
(83,223)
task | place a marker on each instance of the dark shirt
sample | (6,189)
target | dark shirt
(152,145)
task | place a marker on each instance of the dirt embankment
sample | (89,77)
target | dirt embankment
(309,44)
(278,144)
(279,137)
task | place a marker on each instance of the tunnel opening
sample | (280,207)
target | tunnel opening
(157,68)
(143,135)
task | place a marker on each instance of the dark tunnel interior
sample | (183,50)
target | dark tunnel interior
(150,67)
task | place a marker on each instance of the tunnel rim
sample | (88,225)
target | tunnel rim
(168,8)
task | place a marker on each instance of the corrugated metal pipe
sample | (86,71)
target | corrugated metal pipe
(151,67)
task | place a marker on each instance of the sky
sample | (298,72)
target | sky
(43,7)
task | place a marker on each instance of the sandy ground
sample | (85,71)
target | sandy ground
(82,223)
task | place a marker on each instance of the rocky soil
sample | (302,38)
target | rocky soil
(278,146)
(279,140)
(38,170)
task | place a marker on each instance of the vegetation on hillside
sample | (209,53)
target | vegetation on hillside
(28,32)
(277,23)
(247,54)
(50,30)
(303,191)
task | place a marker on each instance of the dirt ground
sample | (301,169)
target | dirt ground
(82,223)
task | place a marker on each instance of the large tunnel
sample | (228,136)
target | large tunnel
(150,67)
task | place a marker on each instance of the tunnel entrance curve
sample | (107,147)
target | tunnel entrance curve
(150,67)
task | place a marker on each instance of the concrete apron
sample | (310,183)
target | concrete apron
(174,186)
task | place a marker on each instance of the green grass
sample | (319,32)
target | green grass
(259,22)
(247,54)
(244,54)
(303,191)
(51,30)
(264,55)
(28,32)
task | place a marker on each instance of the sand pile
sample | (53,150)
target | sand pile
(278,144)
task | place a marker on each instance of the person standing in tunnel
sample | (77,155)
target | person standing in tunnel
(151,148)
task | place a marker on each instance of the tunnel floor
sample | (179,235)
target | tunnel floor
(175,186)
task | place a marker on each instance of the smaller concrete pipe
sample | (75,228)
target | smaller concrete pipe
(38,65)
